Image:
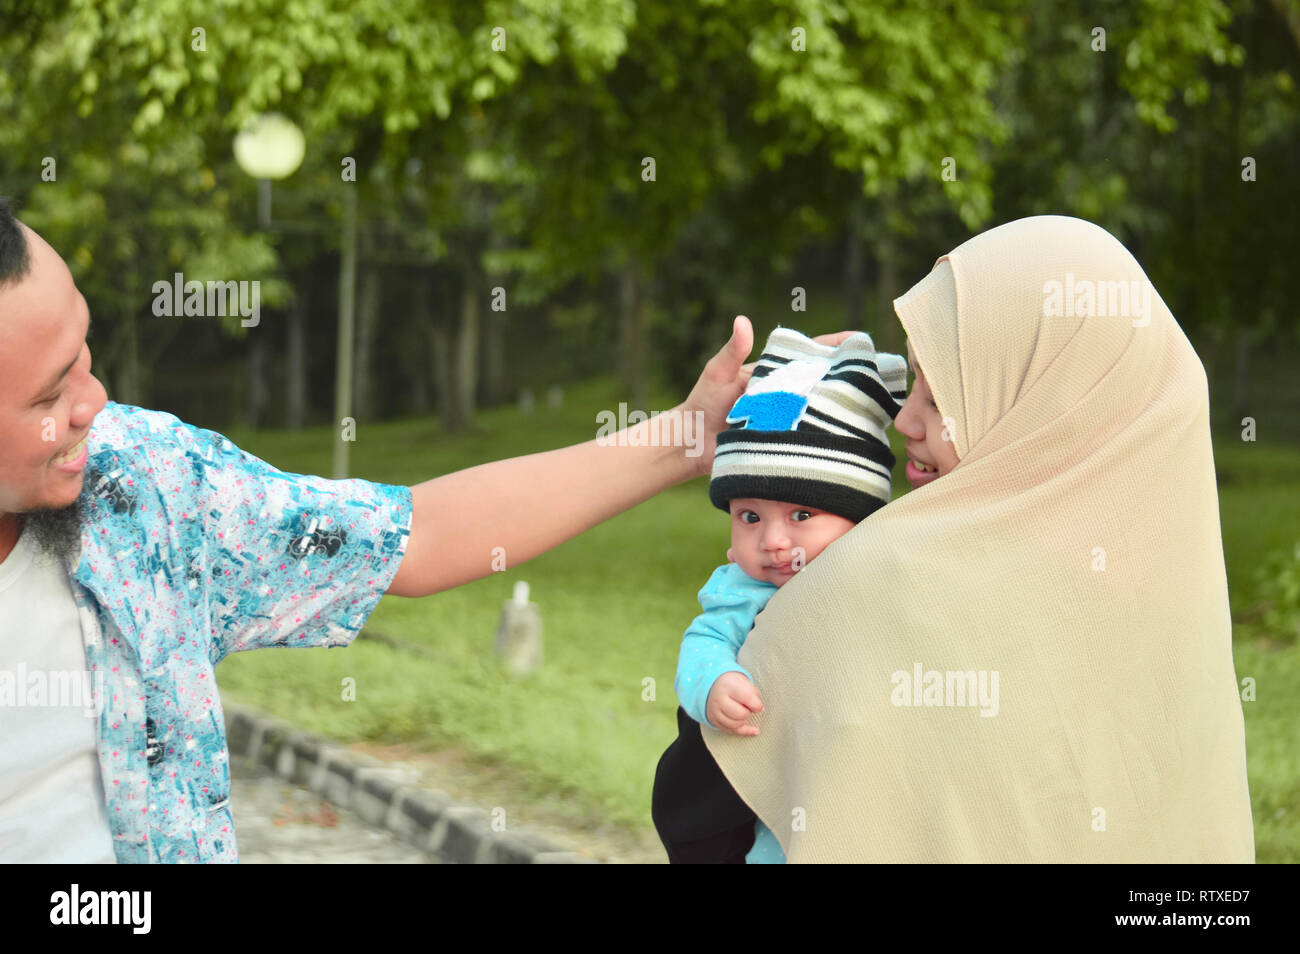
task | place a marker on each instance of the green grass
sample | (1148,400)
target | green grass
(614,604)
(1259,486)
(1272,756)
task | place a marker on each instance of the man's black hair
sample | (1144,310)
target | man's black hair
(14,258)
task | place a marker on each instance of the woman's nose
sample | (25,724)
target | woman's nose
(907,423)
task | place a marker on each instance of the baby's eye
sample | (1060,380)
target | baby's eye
(746,514)
(797,512)
(933,405)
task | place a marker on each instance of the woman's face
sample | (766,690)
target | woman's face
(930,450)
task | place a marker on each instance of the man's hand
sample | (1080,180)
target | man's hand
(732,700)
(723,382)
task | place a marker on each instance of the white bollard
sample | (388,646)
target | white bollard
(519,634)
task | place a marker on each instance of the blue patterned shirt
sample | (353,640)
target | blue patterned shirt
(192,549)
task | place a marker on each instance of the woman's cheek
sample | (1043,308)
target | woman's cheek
(946,455)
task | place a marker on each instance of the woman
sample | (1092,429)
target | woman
(1028,658)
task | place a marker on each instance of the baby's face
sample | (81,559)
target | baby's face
(931,452)
(772,541)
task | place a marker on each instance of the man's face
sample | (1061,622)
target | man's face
(48,397)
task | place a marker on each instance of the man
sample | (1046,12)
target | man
(138,551)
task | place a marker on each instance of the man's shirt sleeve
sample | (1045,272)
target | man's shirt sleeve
(289,559)
(730,601)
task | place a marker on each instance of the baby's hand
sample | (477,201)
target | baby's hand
(731,701)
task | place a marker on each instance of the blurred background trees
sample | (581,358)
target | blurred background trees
(551,189)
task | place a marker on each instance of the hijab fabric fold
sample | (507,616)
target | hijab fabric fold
(1028,659)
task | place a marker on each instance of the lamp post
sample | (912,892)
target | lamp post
(347,316)
(269,147)
(272,147)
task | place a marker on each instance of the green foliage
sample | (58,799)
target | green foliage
(1278,582)
(892,89)
(508,138)
(1162,54)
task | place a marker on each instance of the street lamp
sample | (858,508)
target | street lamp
(270,147)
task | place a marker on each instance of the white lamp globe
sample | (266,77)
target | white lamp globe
(270,147)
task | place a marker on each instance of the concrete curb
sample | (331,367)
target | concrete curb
(384,795)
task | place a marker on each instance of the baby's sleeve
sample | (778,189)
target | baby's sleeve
(730,601)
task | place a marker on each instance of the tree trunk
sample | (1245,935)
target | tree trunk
(888,334)
(440,340)
(345,345)
(430,318)
(417,358)
(853,281)
(494,356)
(467,350)
(418,397)
(255,386)
(130,389)
(295,378)
(369,299)
(1241,375)
(632,335)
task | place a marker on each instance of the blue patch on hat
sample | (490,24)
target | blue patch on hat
(768,411)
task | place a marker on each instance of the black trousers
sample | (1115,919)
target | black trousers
(699,816)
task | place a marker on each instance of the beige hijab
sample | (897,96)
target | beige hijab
(1071,564)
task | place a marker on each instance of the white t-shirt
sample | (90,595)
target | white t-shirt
(51,795)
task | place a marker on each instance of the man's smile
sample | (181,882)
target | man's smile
(74,457)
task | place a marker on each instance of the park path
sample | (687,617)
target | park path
(278,822)
(280,819)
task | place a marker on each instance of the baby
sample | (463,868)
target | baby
(805,460)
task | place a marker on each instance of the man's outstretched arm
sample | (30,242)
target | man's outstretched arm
(528,505)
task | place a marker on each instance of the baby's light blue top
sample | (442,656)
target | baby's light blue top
(730,600)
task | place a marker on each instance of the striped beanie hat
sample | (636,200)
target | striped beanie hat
(810,427)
